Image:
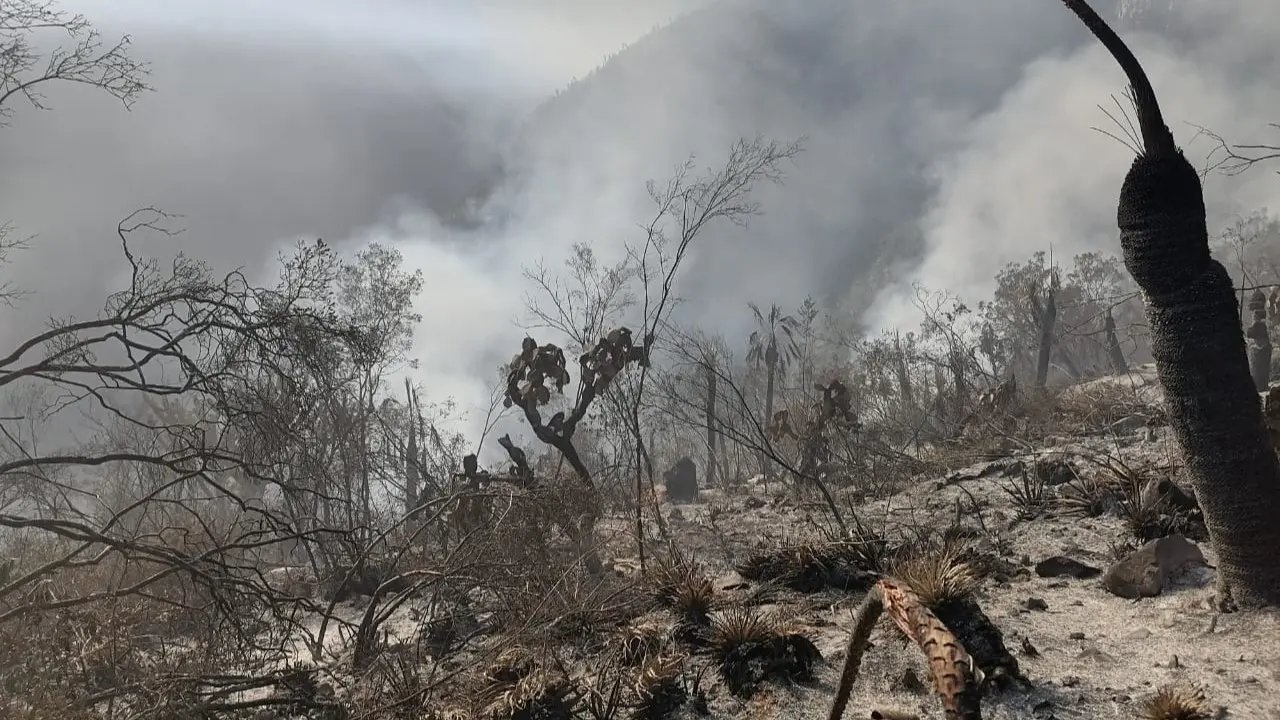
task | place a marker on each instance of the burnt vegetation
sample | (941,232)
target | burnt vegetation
(267,517)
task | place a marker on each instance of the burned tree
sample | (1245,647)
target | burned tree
(1115,354)
(1043,299)
(711,374)
(537,372)
(832,413)
(1198,345)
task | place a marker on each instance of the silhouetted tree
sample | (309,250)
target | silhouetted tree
(773,345)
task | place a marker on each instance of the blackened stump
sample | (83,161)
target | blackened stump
(1199,348)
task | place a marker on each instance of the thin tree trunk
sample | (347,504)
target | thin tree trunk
(904,375)
(765,468)
(1259,343)
(1047,319)
(962,384)
(1119,365)
(711,423)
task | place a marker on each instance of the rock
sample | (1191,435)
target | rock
(1097,655)
(1012,469)
(1036,603)
(1062,566)
(1055,472)
(682,481)
(910,682)
(731,581)
(1164,491)
(291,581)
(1128,425)
(975,472)
(1142,573)
(346,583)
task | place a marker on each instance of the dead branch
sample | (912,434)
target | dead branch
(1231,159)
(86,60)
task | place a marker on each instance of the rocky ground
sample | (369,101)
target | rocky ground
(1096,619)
(1087,652)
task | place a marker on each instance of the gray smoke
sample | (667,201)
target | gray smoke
(943,140)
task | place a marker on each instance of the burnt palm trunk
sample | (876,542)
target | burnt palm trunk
(1198,347)
(1119,365)
(1200,356)
(1047,319)
(770,378)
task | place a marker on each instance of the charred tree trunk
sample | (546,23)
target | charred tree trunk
(411,469)
(940,408)
(1198,347)
(770,381)
(1119,365)
(961,402)
(1046,314)
(904,374)
(711,421)
(1259,342)
(1067,362)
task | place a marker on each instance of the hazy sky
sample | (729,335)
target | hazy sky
(366,120)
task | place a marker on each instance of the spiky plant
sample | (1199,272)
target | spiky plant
(813,566)
(694,599)
(944,581)
(683,586)
(938,574)
(1029,492)
(1088,495)
(540,695)
(658,689)
(750,647)
(1176,702)
(741,625)
(636,641)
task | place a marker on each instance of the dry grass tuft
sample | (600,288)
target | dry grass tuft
(1176,702)
(658,689)
(751,647)
(519,688)
(1089,495)
(938,575)
(814,566)
(682,585)
(639,640)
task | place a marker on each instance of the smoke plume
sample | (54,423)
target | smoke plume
(943,140)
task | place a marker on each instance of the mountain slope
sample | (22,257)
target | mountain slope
(881,92)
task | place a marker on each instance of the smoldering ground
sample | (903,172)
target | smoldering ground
(943,140)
